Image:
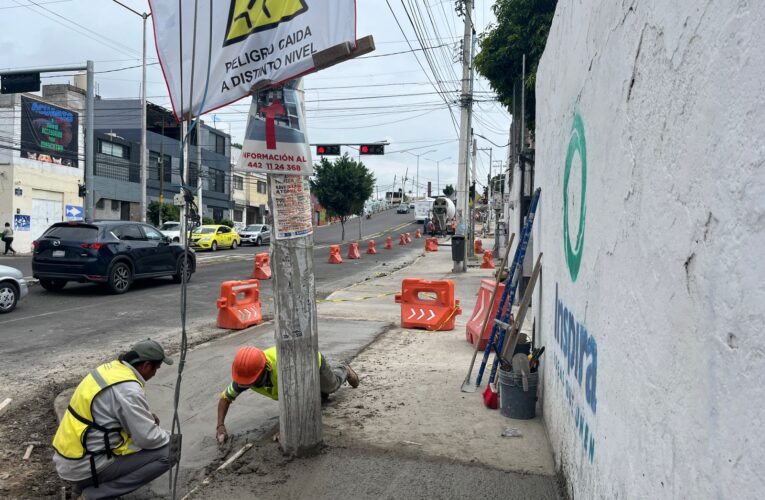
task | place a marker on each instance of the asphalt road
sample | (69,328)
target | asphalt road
(85,313)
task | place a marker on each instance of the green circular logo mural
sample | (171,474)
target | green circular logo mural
(577,144)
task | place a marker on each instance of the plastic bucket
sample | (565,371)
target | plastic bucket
(513,402)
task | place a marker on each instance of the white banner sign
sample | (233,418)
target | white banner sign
(275,141)
(246,43)
(291,196)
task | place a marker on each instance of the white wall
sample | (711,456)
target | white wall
(662,393)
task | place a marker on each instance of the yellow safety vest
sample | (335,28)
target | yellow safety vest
(272,391)
(77,421)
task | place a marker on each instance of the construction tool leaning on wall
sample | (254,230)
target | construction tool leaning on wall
(256,370)
(108,442)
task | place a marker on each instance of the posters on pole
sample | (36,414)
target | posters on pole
(291,195)
(48,133)
(275,140)
(242,43)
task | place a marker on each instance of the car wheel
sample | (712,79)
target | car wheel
(120,278)
(214,246)
(178,276)
(53,285)
(258,242)
(9,296)
(233,245)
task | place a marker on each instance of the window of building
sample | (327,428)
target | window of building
(238,215)
(115,205)
(261,187)
(113,149)
(217,180)
(100,204)
(238,183)
(217,214)
(165,167)
(220,144)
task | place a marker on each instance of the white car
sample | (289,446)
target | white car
(256,234)
(171,229)
(13,287)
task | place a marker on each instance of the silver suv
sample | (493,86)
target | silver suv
(256,234)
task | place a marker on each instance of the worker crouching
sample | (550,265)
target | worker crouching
(257,370)
(108,442)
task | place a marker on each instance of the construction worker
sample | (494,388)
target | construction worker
(255,369)
(108,442)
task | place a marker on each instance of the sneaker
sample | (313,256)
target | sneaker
(352,378)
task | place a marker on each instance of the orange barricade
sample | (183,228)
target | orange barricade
(480,310)
(371,250)
(334,255)
(389,243)
(239,305)
(488,261)
(418,233)
(408,237)
(431,244)
(478,247)
(402,239)
(431,313)
(262,270)
(353,251)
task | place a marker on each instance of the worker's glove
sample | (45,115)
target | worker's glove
(221,434)
(175,448)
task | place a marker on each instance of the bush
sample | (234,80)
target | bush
(169,212)
(226,222)
(207,221)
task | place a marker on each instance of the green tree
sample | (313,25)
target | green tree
(342,187)
(169,212)
(522,27)
(448,190)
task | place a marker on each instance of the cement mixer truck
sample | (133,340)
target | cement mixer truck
(443,216)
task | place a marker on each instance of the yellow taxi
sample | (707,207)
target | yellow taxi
(212,237)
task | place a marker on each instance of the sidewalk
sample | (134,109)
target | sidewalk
(406,432)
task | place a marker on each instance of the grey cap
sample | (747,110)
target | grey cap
(151,350)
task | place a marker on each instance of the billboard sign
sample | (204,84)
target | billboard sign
(49,133)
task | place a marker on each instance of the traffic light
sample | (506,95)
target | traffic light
(372,149)
(328,149)
(82,191)
(20,82)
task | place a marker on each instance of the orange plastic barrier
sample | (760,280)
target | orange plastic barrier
(431,313)
(408,237)
(478,247)
(353,251)
(262,269)
(402,239)
(334,255)
(488,261)
(431,244)
(239,305)
(418,233)
(389,243)
(371,250)
(480,310)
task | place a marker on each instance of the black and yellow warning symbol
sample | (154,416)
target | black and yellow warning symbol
(251,16)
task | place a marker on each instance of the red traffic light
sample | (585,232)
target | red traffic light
(372,149)
(321,150)
(365,149)
(328,149)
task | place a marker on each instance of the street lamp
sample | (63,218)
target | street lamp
(438,172)
(418,168)
(144,159)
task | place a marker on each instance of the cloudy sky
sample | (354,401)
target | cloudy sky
(384,96)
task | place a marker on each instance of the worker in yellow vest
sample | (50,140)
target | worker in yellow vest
(109,443)
(256,370)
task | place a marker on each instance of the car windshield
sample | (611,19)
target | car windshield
(170,226)
(252,228)
(204,230)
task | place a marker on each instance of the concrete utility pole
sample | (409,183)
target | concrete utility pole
(466,103)
(471,204)
(199,172)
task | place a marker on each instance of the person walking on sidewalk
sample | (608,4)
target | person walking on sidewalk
(256,370)
(8,239)
(108,442)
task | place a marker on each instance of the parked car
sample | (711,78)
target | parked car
(113,253)
(402,209)
(171,229)
(256,234)
(13,287)
(212,237)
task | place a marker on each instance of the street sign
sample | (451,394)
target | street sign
(21,222)
(19,82)
(73,213)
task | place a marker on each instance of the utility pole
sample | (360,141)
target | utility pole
(90,149)
(199,171)
(184,178)
(466,103)
(161,167)
(471,204)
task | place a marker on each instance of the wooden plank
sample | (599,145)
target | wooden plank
(5,404)
(520,315)
(28,453)
(343,52)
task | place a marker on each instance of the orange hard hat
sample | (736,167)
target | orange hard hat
(248,365)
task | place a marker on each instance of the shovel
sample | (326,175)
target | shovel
(469,385)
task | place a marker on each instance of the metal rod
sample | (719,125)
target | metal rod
(45,69)
(144,146)
(89,138)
